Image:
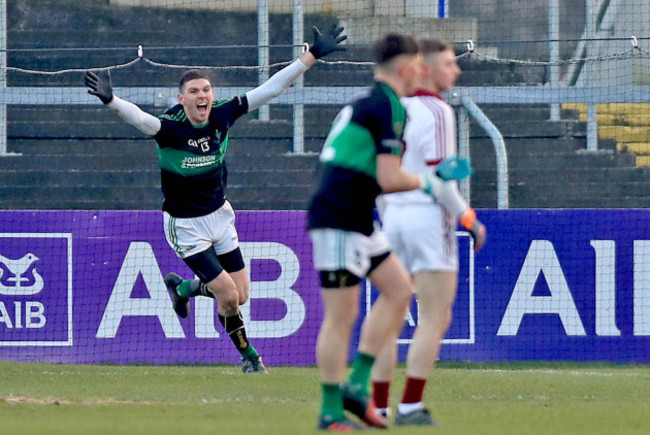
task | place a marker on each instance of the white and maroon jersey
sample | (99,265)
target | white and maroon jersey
(429,136)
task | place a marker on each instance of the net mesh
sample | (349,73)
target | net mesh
(556,78)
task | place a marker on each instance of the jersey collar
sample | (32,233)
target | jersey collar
(425,93)
(202,125)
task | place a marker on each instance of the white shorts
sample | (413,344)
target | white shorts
(189,236)
(347,250)
(423,236)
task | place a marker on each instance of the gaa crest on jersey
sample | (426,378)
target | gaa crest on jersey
(35,289)
(398,128)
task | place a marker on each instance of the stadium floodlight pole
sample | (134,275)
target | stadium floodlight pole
(263,52)
(592,118)
(298,109)
(3,75)
(554,52)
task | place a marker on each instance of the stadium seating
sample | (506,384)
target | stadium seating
(85,157)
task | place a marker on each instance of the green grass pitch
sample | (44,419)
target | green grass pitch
(522,398)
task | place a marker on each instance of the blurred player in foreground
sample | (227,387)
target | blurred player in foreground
(421,231)
(199,222)
(360,159)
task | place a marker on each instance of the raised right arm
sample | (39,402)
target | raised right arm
(132,114)
(101,87)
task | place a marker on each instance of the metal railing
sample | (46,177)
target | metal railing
(467,108)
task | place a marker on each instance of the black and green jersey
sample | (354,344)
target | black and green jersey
(370,126)
(192,159)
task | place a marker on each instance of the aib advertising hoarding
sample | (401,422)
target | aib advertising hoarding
(87,287)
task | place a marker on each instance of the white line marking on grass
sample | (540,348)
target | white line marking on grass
(564,372)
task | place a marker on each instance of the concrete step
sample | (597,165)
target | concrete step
(288,197)
(124,179)
(258,178)
(15,202)
(527,146)
(582,190)
(109,125)
(91,147)
(134,147)
(570,161)
(497,78)
(575,176)
(81,193)
(537,146)
(113,127)
(526,129)
(99,16)
(87,163)
(125,39)
(117,162)
(314,114)
(577,191)
(498,113)
(592,201)
(71,114)
(278,163)
(131,76)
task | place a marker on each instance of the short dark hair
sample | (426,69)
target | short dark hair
(433,46)
(192,74)
(392,45)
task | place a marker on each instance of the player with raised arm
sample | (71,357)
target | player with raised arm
(199,222)
(421,231)
(360,159)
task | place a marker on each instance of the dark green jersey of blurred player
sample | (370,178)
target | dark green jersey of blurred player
(192,158)
(370,126)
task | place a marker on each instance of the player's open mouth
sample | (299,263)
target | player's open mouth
(202,108)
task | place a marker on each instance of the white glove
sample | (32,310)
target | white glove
(430,183)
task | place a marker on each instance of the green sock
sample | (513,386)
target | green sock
(361,371)
(190,288)
(332,406)
(250,351)
(184,289)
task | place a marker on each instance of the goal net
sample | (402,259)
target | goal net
(82,248)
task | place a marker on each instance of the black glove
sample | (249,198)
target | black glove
(100,86)
(325,44)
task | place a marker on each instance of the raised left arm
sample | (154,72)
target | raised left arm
(280,81)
